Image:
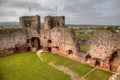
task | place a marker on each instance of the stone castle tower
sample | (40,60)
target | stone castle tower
(30,22)
(53,21)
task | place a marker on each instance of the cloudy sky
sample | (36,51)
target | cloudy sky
(103,12)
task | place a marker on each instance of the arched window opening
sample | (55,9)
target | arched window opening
(49,41)
(70,52)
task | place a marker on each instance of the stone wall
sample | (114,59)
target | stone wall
(61,41)
(116,76)
(10,38)
(103,49)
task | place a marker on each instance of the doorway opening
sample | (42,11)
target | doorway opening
(49,49)
(49,41)
(35,42)
(97,63)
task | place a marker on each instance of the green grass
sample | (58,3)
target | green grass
(84,48)
(27,66)
(99,75)
(80,68)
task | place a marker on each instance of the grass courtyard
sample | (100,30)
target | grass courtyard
(27,66)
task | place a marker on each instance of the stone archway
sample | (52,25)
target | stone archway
(35,42)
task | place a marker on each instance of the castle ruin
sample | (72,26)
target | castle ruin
(54,37)
(104,46)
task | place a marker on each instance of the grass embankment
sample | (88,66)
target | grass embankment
(28,66)
(83,36)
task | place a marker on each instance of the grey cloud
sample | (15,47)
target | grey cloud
(4,13)
(76,11)
(82,9)
(23,5)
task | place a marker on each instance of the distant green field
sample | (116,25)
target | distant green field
(83,36)
(27,66)
(9,27)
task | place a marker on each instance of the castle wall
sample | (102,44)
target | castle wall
(103,49)
(10,38)
(103,44)
(61,41)
(54,36)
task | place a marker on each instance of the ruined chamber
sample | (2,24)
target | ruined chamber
(104,47)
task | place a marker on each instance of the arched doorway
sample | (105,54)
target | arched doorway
(35,42)
(49,41)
